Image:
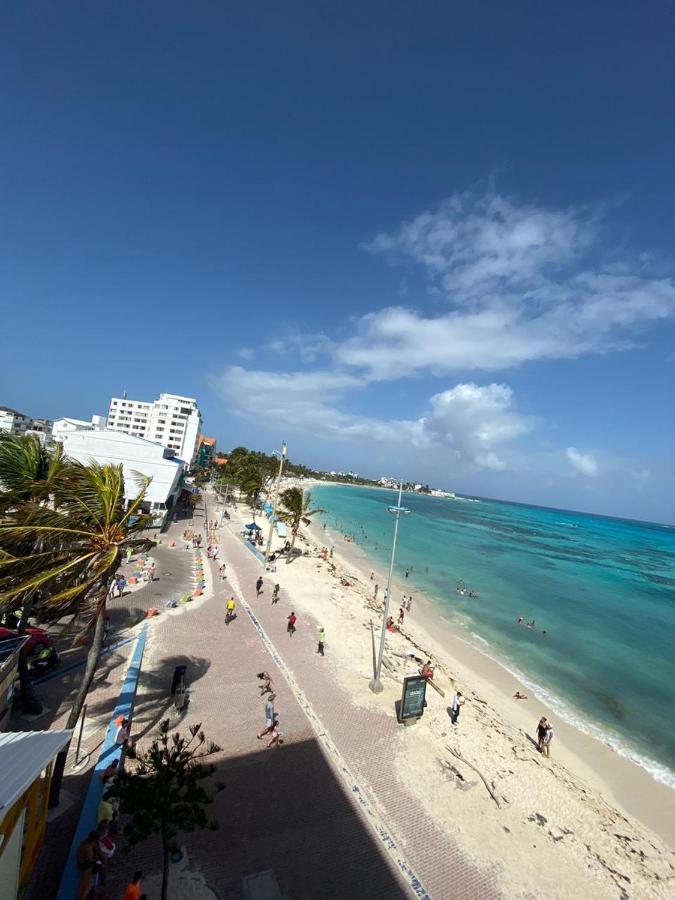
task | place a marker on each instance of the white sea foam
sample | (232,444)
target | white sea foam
(657,770)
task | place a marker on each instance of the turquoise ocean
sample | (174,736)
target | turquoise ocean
(602,588)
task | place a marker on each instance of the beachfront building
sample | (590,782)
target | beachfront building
(14,422)
(26,759)
(206,451)
(171,420)
(136,455)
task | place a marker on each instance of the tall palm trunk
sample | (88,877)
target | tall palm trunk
(90,669)
(30,701)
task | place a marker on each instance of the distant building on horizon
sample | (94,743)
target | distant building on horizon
(171,420)
(14,422)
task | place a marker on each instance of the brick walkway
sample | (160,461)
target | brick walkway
(306,810)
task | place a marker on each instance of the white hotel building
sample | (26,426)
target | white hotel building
(171,420)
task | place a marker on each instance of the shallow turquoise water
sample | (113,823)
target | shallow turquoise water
(602,588)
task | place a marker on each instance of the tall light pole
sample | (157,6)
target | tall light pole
(282,458)
(397,511)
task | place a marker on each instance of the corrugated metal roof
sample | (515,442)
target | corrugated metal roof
(23,755)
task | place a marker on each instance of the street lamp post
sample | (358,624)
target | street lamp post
(397,511)
(282,458)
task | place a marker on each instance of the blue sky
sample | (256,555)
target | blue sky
(427,240)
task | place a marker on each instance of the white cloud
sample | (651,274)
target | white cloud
(477,243)
(584,463)
(302,346)
(469,420)
(519,283)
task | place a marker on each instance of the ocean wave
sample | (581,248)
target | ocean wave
(657,770)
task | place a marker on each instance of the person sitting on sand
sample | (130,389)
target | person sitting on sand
(390,624)
(519,696)
(427,670)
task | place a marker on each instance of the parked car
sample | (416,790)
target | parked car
(39,639)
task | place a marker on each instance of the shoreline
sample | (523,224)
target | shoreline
(619,778)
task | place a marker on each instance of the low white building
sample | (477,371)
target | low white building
(65,425)
(136,455)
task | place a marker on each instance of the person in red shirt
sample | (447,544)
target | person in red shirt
(290,628)
(133,889)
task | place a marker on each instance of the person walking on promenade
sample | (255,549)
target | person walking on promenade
(548,737)
(269,716)
(457,702)
(121,584)
(133,889)
(129,553)
(322,640)
(259,586)
(222,571)
(275,594)
(266,686)
(230,607)
(290,628)
(276,735)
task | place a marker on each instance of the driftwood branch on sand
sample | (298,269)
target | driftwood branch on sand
(458,755)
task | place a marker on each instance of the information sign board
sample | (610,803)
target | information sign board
(412,699)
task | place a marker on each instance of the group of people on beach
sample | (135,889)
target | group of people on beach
(529,625)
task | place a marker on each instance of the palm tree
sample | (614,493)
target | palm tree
(29,472)
(82,543)
(296,509)
(251,482)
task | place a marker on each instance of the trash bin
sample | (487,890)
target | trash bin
(178,677)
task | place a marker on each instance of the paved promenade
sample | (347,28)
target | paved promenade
(323,812)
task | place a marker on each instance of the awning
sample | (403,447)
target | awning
(281,530)
(253,527)
(23,755)
(191,489)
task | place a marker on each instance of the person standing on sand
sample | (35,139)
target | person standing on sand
(259,586)
(322,639)
(290,628)
(377,587)
(457,702)
(409,605)
(548,737)
(541,733)
(401,616)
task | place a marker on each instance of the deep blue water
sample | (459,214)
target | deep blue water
(602,588)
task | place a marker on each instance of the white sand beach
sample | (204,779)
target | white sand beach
(586,821)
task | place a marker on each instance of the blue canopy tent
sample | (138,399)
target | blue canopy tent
(253,527)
